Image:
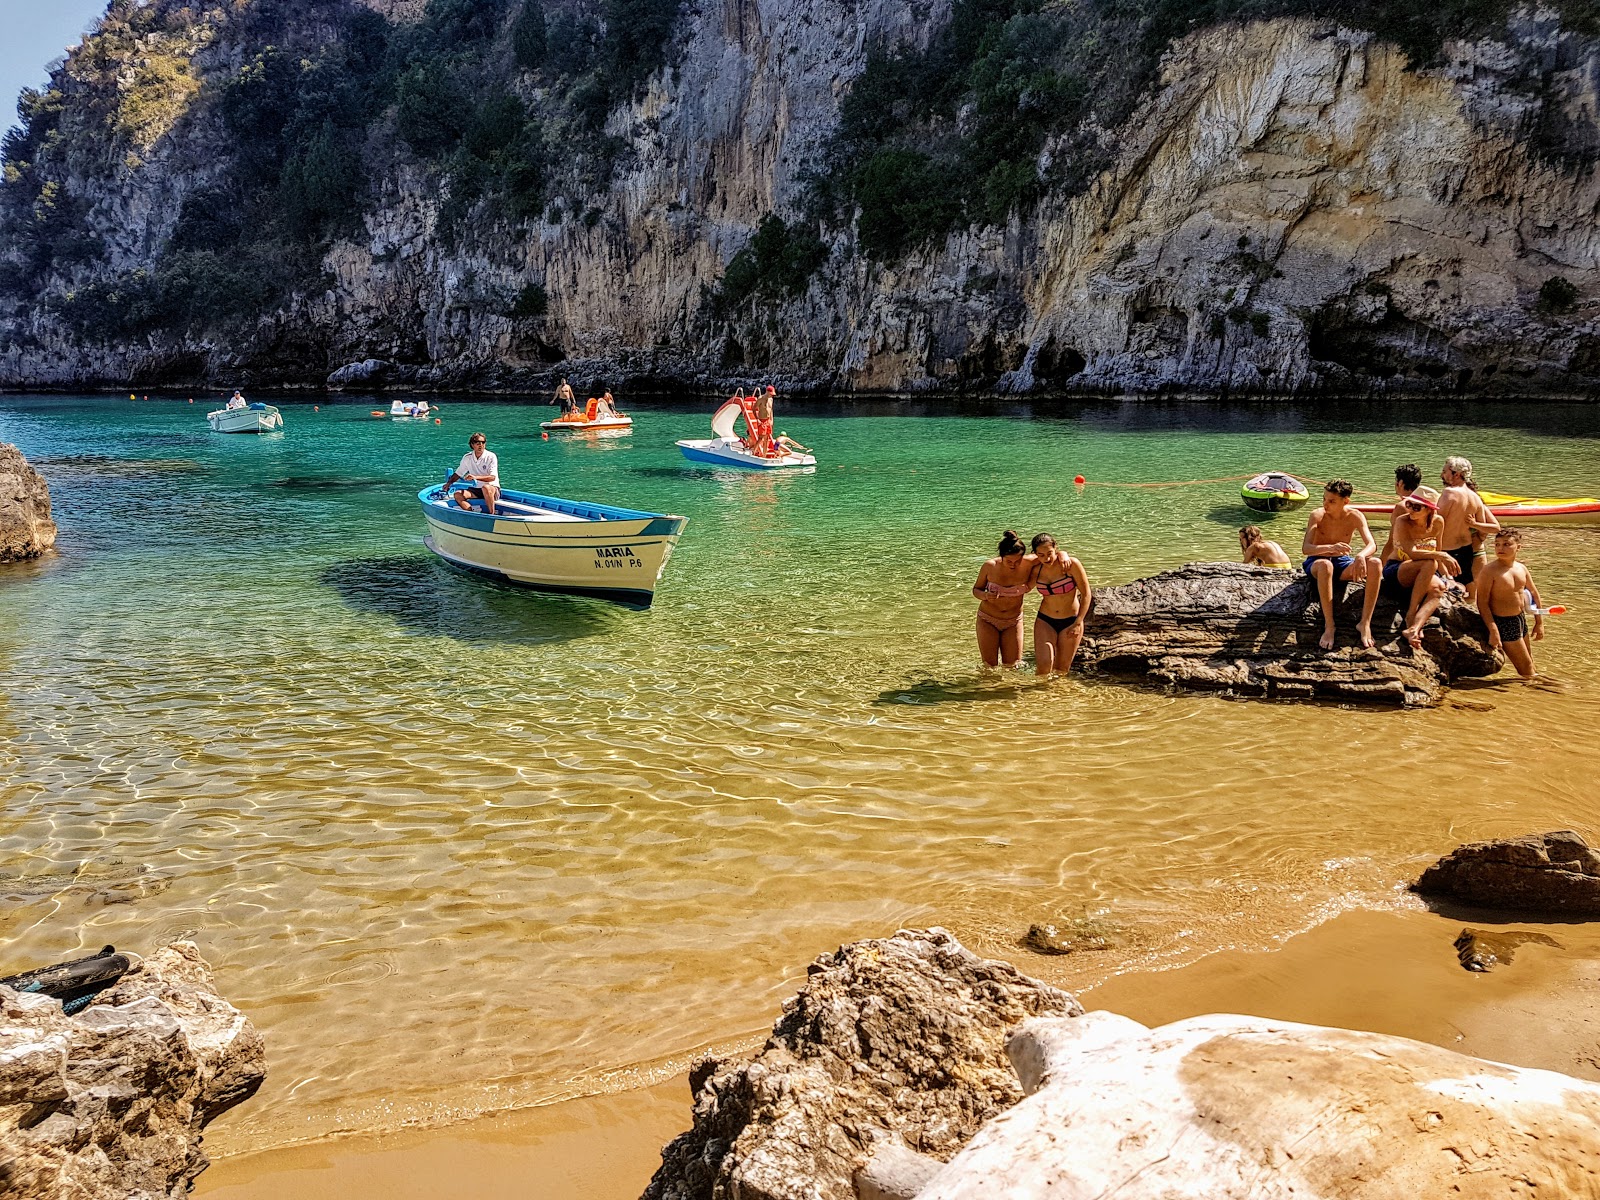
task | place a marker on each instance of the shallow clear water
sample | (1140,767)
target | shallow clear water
(456,847)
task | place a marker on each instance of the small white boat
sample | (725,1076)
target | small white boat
(407,408)
(254,417)
(555,545)
(727,448)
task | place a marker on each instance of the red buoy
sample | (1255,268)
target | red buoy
(545,436)
(437,421)
(1078,479)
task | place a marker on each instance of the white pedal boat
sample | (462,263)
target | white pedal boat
(727,448)
(559,426)
(555,545)
(254,417)
(405,408)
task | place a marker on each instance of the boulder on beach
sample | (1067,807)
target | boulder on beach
(898,1041)
(1229,1106)
(1252,631)
(26,530)
(1555,872)
(109,1104)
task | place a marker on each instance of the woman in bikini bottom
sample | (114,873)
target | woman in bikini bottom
(1001,586)
(1064,591)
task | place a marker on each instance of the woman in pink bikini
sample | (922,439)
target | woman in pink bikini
(1001,586)
(1065,595)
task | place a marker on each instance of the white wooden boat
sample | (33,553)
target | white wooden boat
(410,409)
(254,417)
(555,545)
(727,448)
(560,426)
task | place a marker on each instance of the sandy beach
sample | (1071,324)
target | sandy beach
(1390,972)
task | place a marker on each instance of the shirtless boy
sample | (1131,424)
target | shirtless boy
(1463,511)
(1407,479)
(1500,603)
(1330,537)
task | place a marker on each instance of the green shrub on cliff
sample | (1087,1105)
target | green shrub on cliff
(776,262)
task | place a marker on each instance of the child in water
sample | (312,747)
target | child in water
(1261,552)
(1501,602)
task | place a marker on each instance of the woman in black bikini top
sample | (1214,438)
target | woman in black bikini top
(1064,590)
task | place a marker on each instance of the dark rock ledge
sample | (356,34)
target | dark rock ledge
(1251,631)
(109,1104)
(26,530)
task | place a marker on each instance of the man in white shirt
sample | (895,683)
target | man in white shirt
(236,400)
(479,466)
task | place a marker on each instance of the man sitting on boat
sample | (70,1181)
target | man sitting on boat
(236,400)
(480,466)
(607,409)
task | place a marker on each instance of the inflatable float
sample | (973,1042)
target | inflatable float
(728,449)
(1273,491)
(1523,510)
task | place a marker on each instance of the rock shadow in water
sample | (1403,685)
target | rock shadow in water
(319,483)
(428,598)
(958,691)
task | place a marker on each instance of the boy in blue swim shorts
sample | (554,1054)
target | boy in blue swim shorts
(1329,547)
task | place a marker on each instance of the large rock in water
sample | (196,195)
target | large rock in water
(1240,1108)
(1556,872)
(109,1104)
(1253,631)
(901,1039)
(26,530)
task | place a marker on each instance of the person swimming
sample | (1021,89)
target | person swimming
(1002,583)
(1260,552)
(1063,588)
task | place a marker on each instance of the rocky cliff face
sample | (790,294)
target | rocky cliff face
(1292,209)
(26,530)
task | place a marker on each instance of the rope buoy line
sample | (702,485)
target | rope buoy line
(1178,483)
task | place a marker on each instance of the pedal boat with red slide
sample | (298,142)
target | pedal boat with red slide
(1522,510)
(553,545)
(727,448)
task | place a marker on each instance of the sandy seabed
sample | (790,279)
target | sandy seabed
(1389,972)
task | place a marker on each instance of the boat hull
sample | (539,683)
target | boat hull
(265,419)
(616,555)
(1277,502)
(724,452)
(585,426)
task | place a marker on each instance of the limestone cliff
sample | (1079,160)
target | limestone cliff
(1293,207)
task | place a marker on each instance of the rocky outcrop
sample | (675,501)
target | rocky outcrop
(109,1104)
(369,372)
(1556,872)
(26,530)
(1227,1106)
(1294,208)
(1243,630)
(1486,949)
(899,1040)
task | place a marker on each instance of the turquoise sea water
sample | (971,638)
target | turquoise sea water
(455,846)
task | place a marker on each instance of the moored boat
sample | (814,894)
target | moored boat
(1273,491)
(418,409)
(727,448)
(254,417)
(1523,510)
(555,545)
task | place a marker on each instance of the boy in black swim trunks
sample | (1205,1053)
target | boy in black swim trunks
(1500,602)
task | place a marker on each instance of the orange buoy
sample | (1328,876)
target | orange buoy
(378,412)
(437,421)
(545,436)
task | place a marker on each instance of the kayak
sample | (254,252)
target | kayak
(555,545)
(1273,491)
(727,449)
(1524,510)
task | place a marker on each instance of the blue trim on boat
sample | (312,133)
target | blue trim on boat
(471,518)
(635,598)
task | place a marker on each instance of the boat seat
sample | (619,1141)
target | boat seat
(531,510)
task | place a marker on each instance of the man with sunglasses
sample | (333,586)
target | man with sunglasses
(480,466)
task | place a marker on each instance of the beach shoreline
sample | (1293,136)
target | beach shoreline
(1386,971)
